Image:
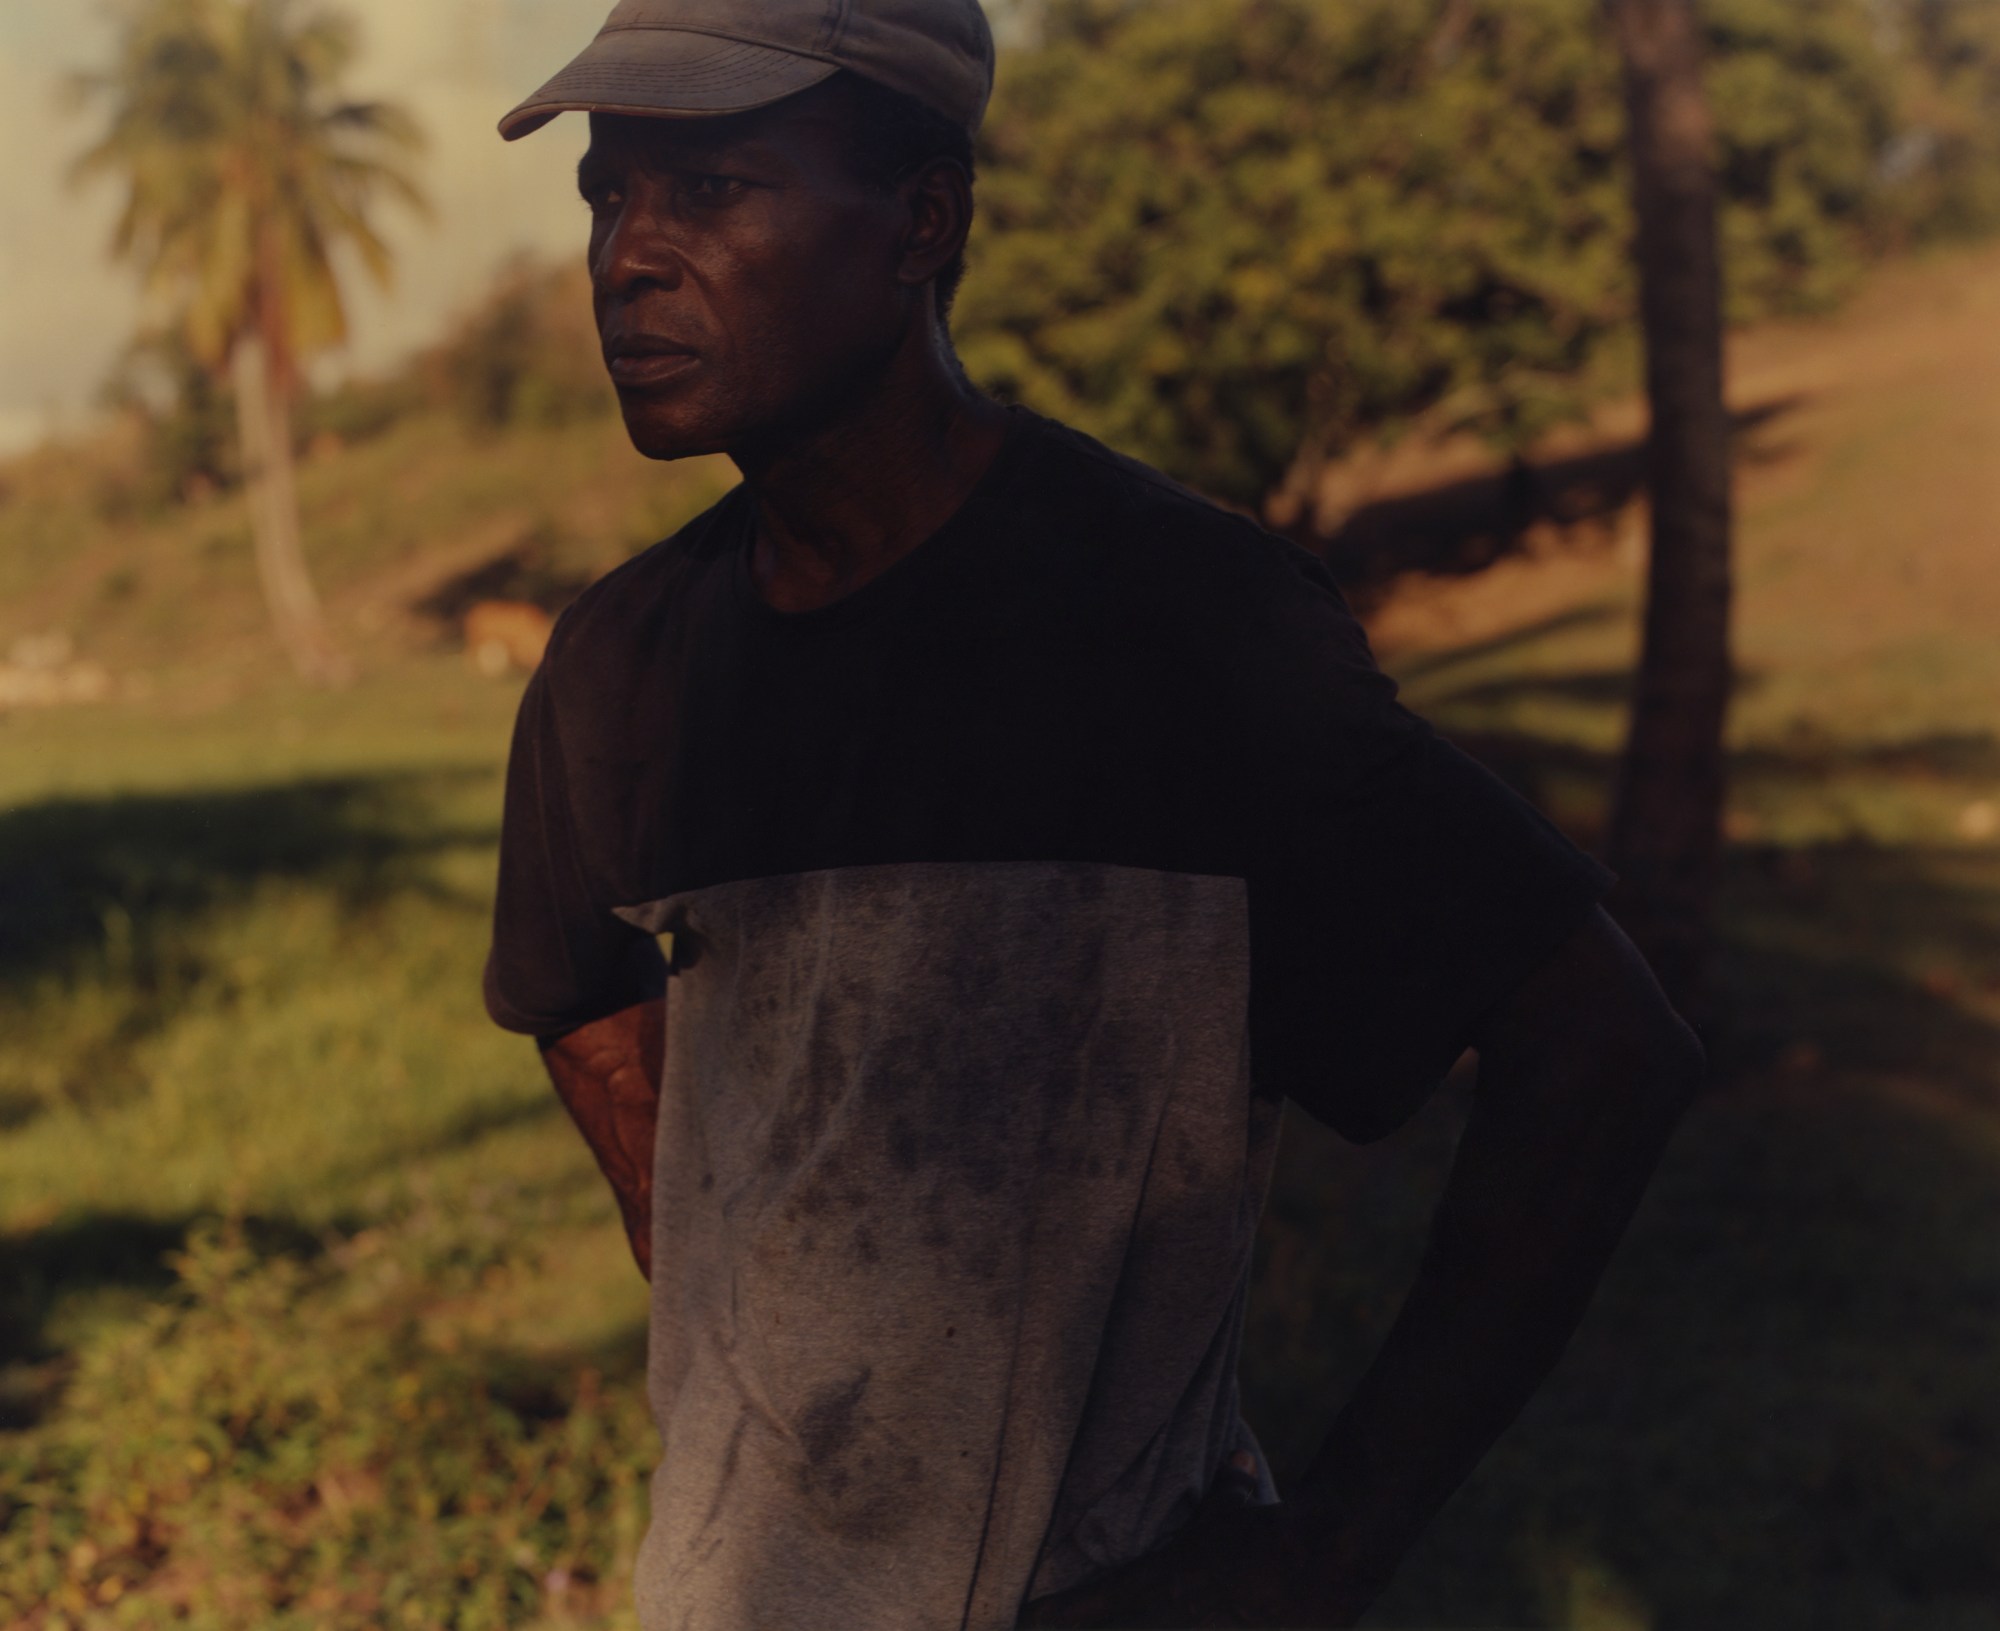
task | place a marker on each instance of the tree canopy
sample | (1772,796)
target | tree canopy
(1230,238)
(244,167)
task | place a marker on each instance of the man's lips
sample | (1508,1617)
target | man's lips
(644,360)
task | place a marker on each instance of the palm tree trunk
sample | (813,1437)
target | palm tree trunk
(263,422)
(1666,812)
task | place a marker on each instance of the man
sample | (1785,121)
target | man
(1014,832)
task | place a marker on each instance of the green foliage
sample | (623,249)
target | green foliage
(1214,233)
(244,166)
(282,1444)
(1944,165)
(1803,96)
(528,354)
(187,412)
(362,409)
(1231,238)
(262,1001)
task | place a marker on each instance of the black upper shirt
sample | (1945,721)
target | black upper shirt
(1086,663)
(1010,896)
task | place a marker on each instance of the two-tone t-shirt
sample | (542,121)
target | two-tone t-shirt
(1009,897)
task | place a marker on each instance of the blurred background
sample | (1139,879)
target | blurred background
(314,1312)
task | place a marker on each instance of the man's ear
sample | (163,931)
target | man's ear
(938,199)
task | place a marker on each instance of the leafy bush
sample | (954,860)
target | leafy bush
(526,355)
(286,1444)
(361,409)
(1943,167)
(187,414)
(1230,238)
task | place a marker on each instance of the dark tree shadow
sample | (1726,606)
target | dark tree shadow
(471,1126)
(95,1253)
(1461,527)
(1815,942)
(1779,1411)
(1591,615)
(81,877)
(118,889)
(1777,1414)
(130,1256)
(115,889)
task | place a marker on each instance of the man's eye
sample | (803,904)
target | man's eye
(713,187)
(603,198)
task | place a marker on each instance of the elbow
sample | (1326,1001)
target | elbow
(1593,1037)
(1656,1060)
(1627,1074)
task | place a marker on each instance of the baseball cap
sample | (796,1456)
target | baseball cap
(667,57)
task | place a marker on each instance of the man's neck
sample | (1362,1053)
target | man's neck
(842,501)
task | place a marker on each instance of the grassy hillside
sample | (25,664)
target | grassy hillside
(314,1313)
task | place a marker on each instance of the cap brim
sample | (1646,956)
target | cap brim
(662,72)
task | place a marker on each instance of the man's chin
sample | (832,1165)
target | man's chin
(660,434)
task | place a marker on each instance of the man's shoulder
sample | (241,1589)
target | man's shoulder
(1164,536)
(628,603)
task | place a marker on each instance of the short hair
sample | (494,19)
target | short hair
(895,136)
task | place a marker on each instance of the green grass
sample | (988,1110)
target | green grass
(256,998)
(314,1312)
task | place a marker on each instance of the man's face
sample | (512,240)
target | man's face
(743,276)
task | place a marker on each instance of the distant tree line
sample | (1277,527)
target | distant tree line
(1230,238)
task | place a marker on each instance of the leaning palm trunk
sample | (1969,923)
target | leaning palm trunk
(1666,814)
(263,422)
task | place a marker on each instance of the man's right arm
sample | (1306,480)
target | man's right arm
(607,1074)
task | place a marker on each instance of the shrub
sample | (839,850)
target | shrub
(1231,238)
(526,355)
(284,1444)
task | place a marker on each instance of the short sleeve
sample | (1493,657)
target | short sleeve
(559,958)
(1398,889)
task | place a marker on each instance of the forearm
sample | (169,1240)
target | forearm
(1549,1171)
(607,1074)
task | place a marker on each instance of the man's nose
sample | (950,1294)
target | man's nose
(637,249)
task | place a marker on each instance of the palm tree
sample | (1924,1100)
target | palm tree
(1666,814)
(244,168)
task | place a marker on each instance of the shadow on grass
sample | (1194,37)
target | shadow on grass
(1779,1412)
(60,1278)
(93,1255)
(112,886)
(1873,956)
(1591,614)
(1461,527)
(469,1128)
(78,876)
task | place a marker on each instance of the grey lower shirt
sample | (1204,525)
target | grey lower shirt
(958,1176)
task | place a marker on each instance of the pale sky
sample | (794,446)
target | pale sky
(66,310)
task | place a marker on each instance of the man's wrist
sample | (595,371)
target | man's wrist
(1349,1527)
(1333,1581)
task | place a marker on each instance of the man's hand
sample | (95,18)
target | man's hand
(608,1076)
(1234,1563)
